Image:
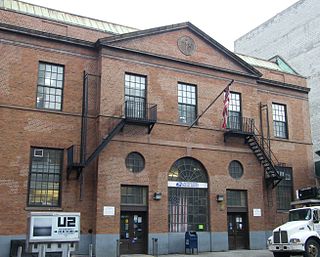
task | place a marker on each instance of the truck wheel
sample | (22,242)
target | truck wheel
(312,249)
(281,254)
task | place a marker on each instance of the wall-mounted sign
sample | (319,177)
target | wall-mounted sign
(109,211)
(257,212)
(187,184)
(54,227)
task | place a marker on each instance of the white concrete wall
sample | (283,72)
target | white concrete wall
(294,34)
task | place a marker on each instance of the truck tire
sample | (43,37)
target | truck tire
(312,249)
(281,254)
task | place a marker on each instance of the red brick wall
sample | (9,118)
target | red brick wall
(23,126)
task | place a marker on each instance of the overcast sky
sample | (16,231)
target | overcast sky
(223,20)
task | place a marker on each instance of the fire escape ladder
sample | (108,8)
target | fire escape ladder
(245,128)
(267,159)
(105,141)
(72,151)
(135,113)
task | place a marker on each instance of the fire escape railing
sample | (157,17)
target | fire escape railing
(138,113)
(245,127)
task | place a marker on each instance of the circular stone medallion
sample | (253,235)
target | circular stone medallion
(186,45)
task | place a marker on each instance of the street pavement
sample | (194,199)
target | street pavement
(238,253)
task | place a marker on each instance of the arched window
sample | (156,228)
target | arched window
(188,196)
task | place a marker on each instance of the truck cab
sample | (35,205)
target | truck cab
(299,236)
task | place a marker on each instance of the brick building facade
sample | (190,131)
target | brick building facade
(95,118)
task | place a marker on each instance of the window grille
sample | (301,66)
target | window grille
(135,162)
(188,207)
(45,177)
(235,169)
(284,189)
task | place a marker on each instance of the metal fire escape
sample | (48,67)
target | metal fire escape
(134,113)
(245,128)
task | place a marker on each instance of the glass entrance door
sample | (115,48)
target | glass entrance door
(238,231)
(133,232)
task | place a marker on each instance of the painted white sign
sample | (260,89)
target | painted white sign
(187,184)
(54,227)
(257,212)
(109,211)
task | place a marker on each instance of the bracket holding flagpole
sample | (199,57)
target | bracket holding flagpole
(199,116)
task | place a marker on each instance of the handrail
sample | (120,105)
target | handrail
(247,125)
(269,152)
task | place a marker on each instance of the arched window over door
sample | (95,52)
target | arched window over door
(188,196)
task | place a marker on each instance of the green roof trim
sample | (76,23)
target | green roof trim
(276,63)
(68,18)
(283,65)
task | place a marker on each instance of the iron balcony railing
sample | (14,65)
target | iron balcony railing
(140,111)
(240,124)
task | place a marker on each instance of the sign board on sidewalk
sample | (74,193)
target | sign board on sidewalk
(54,227)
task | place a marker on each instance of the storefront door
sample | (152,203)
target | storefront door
(133,232)
(238,231)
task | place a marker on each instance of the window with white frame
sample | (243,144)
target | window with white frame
(279,115)
(234,119)
(50,86)
(135,87)
(187,103)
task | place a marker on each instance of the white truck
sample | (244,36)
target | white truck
(299,236)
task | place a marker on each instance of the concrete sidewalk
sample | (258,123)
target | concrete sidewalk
(238,253)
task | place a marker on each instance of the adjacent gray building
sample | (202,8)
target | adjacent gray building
(294,34)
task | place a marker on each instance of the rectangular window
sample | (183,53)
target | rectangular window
(279,120)
(234,119)
(50,86)
(284,188)
(135,95)
(134,195)
(236,198)
(45,177)
(187,103)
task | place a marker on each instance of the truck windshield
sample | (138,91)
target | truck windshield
(302,214)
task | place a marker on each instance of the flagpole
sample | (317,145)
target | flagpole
(199,116)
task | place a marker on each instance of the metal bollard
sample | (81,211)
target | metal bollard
(155,251)
(90,250)
(19,252)
(118,248)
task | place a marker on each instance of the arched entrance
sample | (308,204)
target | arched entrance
(188,207)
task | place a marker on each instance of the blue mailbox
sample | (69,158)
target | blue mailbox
(191,241)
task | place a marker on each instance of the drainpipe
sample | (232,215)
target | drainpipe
(317,179)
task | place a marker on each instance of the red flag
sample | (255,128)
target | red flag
(225,111)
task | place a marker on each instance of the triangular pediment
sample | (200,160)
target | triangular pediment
(181,42)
